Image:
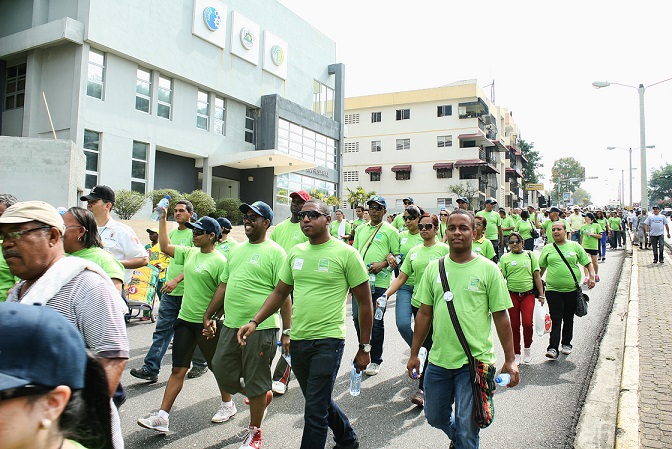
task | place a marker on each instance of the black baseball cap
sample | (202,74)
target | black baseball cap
(100,192)
(258,207)
(224,223)
(554,209)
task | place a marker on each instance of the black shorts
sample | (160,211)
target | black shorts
(592,252)
(189,335)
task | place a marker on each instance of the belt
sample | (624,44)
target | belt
(522,293)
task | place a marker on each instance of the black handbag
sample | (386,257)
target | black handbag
(581,298)
(533,232)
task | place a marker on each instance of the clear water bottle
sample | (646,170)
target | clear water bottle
(503,379)
(158,212)
(398,259)
(380,310)
(422,355)
(288,357)
(372,277)
(355,381)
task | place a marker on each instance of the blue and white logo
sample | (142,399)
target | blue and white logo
(211,18)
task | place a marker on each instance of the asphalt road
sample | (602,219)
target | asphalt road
(541,412)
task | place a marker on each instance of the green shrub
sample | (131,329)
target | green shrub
(127,203)
(158,195)
(228,207)
(203,203)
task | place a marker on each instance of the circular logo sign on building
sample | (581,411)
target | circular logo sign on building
(211,18)
(277,55)
(246,38)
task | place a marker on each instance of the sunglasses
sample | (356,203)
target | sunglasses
(252,218)
(199,231)
(376,207)
(311,214)
(409,218)
(443,215)
(514,242)
(428,226)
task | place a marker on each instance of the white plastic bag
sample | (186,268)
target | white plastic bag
(542,318)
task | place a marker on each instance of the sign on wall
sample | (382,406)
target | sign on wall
(275,55)
(209,21)
(245,38)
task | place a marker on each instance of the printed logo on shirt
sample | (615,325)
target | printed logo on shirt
(474,284)
(255,259)
(478,249)
(404,240)
(379,236)
(323,265)
(414,256)
(298,264)
(200,268)
(296,235)
(184,242)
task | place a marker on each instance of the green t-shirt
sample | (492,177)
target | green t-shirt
(494,222)
(250,275)
(178,238)
(358,221)
(478,289)
(226,246)
(508,222)
(333,229)
(603,223)
(202,276)
(524,227)
(558,278)
(442,231)
(417,260)
(321,276)
(106,261)
(516,218)
(76,444)
(7,279)
(575,221)
(518,270)
(533,218)
(408,241)
(587,241)
(483,247)
(288,234)
(399,222)
(614,223)
(386,241)
(548,225)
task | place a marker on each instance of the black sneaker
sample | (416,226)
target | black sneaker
(655,261)
(354,445)
(143,373)
(197,371)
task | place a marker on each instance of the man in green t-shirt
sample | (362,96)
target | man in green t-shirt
(493,231)
(319,273)
(508,224)
(553,216)
(399,222)
(378,243)
(225,242)
(479,294)
(615,229)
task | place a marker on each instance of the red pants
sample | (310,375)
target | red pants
(523,306)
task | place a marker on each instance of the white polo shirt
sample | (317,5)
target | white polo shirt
(122,242)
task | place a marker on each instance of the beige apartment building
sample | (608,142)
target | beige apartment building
(419,143)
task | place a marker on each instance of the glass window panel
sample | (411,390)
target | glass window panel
(11,86)
(22,69)
(284,124)
(219,102)
(9,103)
(96,58)
(91,161)
(138,169)
(11,72)
(202,96)
(22,84)
(219,127)
(95,73)
(90,181)
(91,139)
(249,123)
(138,187)
(165,83)
(142,88)
(202,122)
(164,95)
(163,111)
(19,100)
(202,108)
(140,151)
(94,90)
(143,75)
(142,104)
(219,114)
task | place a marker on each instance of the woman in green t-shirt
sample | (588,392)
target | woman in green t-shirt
(524,227)
(602,244)
(591,234)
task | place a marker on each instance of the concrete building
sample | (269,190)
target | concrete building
(241,99)
(420,143)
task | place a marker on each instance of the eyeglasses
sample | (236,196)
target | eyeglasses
(514,242)
(407,203)
(28,390)
(74,226)
(376,207)
(16,235)
(409,218)
(428,226)
(311,214)
(252,218)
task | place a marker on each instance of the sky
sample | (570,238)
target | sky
(542,58)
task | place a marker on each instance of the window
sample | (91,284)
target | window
(375,146)
(351,119)
(15,87)
(375,176)
(403,175)
(202,110)
(403,144)
(139,167)
(249,125)
(444,111)
(291,182)
(220,110)
(143,90)
(375,117)
(96,74)
(444,202)
(444,173)
(165,97)
(352,147)
(92,153)
(444,141)
(323,99)
(351,176)
(403,114)
(306,144)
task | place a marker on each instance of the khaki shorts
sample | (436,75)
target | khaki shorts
(251,362)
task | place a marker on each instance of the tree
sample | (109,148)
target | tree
(660,186)
(158,195)
(358,197)
(581,197)
(531,167)
(467,190)
(228,208)
(127,203)
(329,200)
(567,175)
(203,203)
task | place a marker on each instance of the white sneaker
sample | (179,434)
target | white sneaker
(278,387)
(224,413)
(517,361)
(372,369)
(566,349)
(154,422)
(527,356)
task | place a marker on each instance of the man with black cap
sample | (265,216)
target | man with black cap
(493,230)
(553,216)
(225,242)
(119,239)
(398,221)
(463,203)
(378,243)
(655,224)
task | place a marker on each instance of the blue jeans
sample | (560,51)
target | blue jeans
(443,388)
(163,333)
(315,364)
(602,245)
(403,313)
(378,332)
(576,236)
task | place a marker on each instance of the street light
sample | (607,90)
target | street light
(630,151)
(642,130)
(622,190)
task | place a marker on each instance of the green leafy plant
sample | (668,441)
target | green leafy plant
(228,207)
(127,203)
(203,203)
(158,195)
(467,190)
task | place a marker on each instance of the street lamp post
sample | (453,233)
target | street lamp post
(630,151)
(642,131)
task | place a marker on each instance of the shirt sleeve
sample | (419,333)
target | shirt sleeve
(498,295)
(180,254)
(286,274)
(535,262)
(543,258)
(356,272)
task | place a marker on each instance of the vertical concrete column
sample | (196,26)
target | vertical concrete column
(207,176)
(339,116)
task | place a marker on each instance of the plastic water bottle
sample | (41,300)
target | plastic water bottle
(422,355)
(288,357)
(158,212)
(380,310)
(503,379)
(398,259)
(355,381)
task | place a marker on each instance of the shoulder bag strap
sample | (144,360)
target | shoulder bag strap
(567,263)
(453,314)
(370,240)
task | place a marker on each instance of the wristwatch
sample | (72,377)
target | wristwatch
(286,332)
(365,347)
